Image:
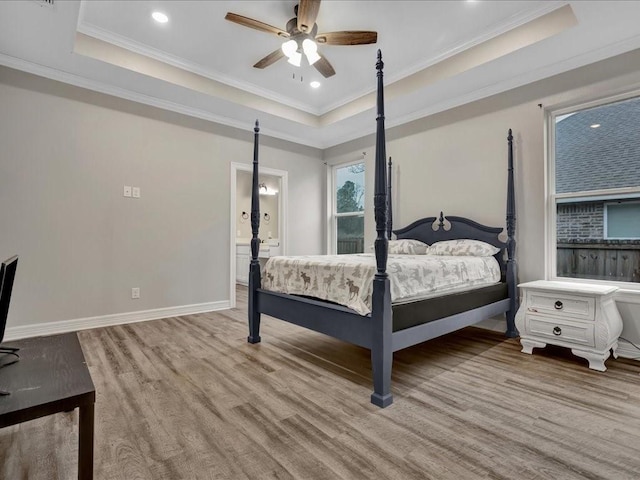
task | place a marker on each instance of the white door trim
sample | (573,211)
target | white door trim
(282,218)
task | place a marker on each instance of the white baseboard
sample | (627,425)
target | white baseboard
(626,350)
(52,328)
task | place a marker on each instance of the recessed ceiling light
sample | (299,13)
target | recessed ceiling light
(595,125)
(160,17)
(314,84)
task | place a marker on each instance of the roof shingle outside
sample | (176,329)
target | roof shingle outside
(599,158)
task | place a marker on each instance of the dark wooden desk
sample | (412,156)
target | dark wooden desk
(51,377)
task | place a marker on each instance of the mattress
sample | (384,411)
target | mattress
(348,279)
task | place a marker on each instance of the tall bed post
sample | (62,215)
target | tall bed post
(254,268)
(512,275)
(381,348)
(389,206)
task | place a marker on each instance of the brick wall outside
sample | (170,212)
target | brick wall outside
(583,223)
(580,222)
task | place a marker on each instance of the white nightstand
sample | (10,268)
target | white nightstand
(580,316)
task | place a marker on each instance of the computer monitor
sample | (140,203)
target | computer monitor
(7,275)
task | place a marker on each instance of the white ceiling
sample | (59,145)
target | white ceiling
(437,55)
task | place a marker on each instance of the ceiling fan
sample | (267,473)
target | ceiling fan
(302,34)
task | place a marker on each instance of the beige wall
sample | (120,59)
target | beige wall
(460,169)
(456,161)
(65,155)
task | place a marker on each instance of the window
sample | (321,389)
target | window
(348,208)
(595,192)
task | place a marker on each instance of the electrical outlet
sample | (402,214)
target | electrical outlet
(135,292)
(135,192)
(127,191)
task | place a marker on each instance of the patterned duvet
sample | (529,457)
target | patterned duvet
(348,279)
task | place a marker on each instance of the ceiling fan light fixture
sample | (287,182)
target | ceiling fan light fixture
(289,48)
(310,49)
(295,59)
(309,46)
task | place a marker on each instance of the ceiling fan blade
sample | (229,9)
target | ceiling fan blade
(307,14)
(272,58)
(258,25)
(351,37)
(324,67)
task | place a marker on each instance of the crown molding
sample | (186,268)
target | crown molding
(517,21)
(323,143)
(557,68)
(513,23)
(538,74)
(192,67)
(96,86)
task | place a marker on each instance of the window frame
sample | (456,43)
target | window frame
(551,197)
(333,214)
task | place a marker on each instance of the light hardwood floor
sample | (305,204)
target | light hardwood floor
(189,398)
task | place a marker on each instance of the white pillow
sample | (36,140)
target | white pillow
(463,247)
(407,246)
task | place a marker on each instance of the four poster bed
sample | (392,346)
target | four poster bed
(367,316)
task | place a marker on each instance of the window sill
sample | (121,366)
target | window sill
(629,292)
(628,296)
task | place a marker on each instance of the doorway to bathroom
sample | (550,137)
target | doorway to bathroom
(273,219)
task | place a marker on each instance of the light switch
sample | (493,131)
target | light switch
(127,191)
(136,192)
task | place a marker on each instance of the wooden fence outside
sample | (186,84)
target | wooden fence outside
(351,245)
(617,262)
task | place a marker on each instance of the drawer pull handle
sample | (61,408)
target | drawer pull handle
(557,331)
(558,305)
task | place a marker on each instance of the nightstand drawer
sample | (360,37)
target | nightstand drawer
(559,331)
(560,305)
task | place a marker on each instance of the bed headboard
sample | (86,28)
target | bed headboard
(435,229)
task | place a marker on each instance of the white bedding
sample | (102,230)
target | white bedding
(348,279)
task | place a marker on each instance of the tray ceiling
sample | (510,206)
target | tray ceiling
(437,55)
